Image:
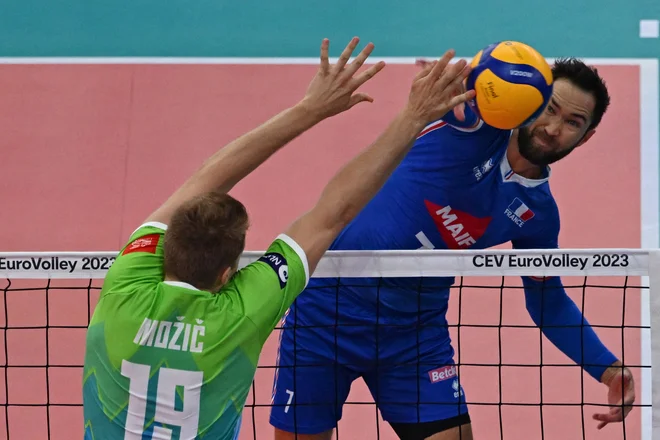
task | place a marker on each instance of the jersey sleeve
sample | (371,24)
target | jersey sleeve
(558,317)
(267,287)
(139,262)
(471,123)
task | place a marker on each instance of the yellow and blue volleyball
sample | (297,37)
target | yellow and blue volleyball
(513,84)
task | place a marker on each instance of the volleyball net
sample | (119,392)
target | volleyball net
(517,384)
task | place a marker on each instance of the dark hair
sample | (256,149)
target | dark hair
(205,236)
(587,79)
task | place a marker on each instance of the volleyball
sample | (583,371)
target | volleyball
(513,84)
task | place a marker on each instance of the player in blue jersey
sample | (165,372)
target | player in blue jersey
(463,185)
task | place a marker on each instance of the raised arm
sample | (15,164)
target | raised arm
(330,92)
(431,96)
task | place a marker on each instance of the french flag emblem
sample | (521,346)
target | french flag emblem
(520,210)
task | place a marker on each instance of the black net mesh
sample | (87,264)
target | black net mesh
(517,384)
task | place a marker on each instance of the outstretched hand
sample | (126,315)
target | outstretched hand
(620,396)
(332,90)
(459,110)
(438,88)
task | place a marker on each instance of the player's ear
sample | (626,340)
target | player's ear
(226,276)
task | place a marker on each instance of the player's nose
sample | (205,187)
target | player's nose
(553,128)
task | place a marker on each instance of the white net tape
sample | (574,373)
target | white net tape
(600,263)
(348,264)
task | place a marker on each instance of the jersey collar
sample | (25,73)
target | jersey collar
(180,284)
(508,175)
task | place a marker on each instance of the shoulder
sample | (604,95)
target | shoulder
(543,216)
(145,239)
(264,289)
(284,251)
(283,263)
(140,260)
(546,207)
(546,203)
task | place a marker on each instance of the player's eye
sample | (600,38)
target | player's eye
(551,110)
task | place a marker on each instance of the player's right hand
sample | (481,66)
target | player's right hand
(332,90)
(459,110)
(438,89)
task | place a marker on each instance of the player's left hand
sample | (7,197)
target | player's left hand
(331,91)
(621,395)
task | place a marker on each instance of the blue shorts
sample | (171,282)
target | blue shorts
(409,370)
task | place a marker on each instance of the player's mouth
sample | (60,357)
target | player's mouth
(543,142)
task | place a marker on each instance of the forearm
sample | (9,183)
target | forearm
(565,326)
(359,181)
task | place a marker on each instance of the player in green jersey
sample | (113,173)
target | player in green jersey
(173,345)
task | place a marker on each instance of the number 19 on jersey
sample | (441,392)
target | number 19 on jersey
(169,379)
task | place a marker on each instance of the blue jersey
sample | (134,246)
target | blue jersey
(454,190)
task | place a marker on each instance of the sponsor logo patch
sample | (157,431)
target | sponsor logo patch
(147,243)
(442,373)
(278,263)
